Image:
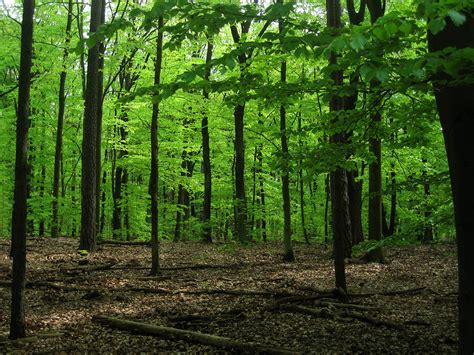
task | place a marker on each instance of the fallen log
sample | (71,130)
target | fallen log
(190,336)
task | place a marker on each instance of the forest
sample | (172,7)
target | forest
(254,176)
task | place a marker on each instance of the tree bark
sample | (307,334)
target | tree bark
(288,254)
(206,159)
(376,9)
(155,251)
(456,111)
(341,224)
(20,205)
(88,239)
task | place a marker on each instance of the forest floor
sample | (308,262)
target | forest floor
(243,293)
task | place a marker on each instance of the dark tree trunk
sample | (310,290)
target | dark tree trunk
(88,240)
(20,205)
(100,101)
(341,223)
(254,191)
(288,254)
(376,9)
(355,206)
(206,160)
(102,205)
(240,196)
(301,184)
(456,110)
(327,188)
(181,205)
(155,252)
(55,228)
(388,229)
(41,226)
(261,194)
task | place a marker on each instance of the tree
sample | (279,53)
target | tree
(376,9)
(206,157)
(89,139)
(454,100)
(20,206)
(153,186)
(288,254)
(341,226)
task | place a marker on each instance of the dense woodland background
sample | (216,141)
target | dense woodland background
(301,121)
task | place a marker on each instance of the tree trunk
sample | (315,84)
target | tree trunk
(240,196)
(20,205)
(206,160)
(100,102)
(341,223)
(456,111)
(301,184)
(288,254)
(55,228)
(376,9)
(261,193)
(155,251)
(88,240)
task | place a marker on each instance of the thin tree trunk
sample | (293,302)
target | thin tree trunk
(326,209)
(206,159)
(88,240)
(100,102)
(20,205)
(155,253)
(41,196)
(341,224)
(301,183)
(288,254)
(240,196)
(261,193)
(376,9)
(55,228)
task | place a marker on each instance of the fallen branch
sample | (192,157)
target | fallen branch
(217,318)
(87,268)
(373,321)
(31,339)
(410,291)
(190,336)
(339,315)
(123,242)
(51,285)
(238,292)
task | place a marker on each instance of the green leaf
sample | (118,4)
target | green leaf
(406,28)
(91,42)
(358,41)
(381,74)
(457,18)
(436,25)
(380,33)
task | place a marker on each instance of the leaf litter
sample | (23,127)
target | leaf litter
(243,293)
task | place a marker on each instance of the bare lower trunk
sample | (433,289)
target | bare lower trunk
(19,214)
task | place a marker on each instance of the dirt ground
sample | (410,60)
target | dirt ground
(243,293)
